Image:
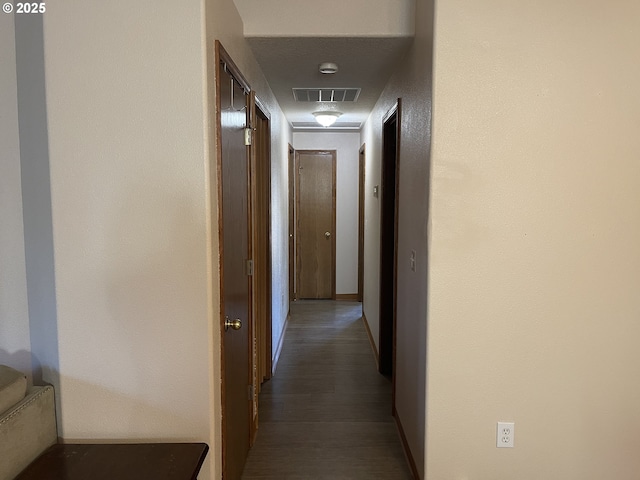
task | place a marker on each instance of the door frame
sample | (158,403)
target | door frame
(361,200)
(221,56)
(390,175)
(333,154)
(292,228)
(260,206)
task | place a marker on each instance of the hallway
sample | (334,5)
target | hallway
(326,414)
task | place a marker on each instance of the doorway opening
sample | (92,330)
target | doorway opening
(389,239)
(361,179)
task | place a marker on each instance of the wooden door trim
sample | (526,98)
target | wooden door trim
(361,200)
(398,113)
(221,56)
(333,214)
(262,110)
(260,180)
(292,228)
(253,232)
(263,222)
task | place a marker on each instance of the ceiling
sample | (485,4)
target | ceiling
(291,38)
(363,62)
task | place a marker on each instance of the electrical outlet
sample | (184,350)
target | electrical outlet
(504,435)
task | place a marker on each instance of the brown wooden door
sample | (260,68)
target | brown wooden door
(316,220)
(235,282)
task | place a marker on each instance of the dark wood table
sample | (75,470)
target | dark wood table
(139,461)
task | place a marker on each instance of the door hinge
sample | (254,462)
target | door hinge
(249,267)
(250,391)
(248,135)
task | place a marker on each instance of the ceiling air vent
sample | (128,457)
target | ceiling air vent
(326,94)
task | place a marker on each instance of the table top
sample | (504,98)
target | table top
(139,461)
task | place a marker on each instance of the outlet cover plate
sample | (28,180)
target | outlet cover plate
(505,434)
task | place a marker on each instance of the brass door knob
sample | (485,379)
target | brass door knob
(235,324)
(327,234)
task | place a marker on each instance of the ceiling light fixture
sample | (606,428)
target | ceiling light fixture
(326,119)
(328,68)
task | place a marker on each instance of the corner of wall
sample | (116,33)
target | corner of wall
(15,341)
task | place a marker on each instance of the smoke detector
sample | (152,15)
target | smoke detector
(328,68)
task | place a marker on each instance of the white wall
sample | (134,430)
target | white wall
(125,102)
(412,83)
(535,228)
(347,146)
(15,343)
(279,227)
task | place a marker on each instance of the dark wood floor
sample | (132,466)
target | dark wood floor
(326,414)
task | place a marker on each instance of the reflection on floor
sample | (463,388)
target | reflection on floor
(326,414)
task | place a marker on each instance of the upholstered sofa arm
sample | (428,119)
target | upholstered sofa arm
(26,429)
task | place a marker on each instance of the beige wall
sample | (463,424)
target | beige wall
(346,145)
(125,103)
(310,18)
(411,82)
(130,96)
(535,231)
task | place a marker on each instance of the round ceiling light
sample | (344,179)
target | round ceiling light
(326,119)
(328,68)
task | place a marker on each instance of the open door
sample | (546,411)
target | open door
(361,170)
(233,168)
